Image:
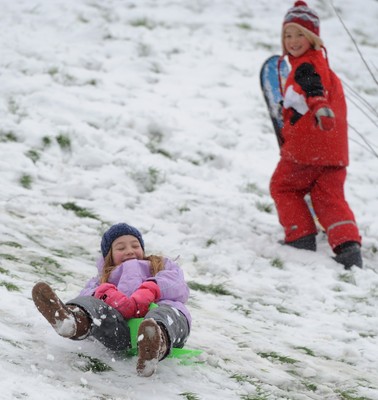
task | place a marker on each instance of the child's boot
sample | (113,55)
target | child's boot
(305,243)
(152,346)
(348,254)
(68,320)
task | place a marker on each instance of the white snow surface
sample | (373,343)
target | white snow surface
(150,112)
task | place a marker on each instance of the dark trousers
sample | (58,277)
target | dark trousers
(110,328)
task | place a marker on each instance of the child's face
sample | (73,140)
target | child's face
(295,41)
(125,248)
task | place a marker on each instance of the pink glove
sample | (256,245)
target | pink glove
(324,116)
(147,293)
(102,289)
(134,307)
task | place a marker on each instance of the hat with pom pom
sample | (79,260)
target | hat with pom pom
(302,15)
(305,19)
(115,232)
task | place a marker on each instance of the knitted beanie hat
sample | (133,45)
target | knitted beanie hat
(302,15)
(115,232)
(305,19)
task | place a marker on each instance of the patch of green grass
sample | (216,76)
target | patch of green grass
(210,242)
(310,386)
(48,267)
(79,211)
(217,289)
(142,23)
(266,45)
(9,257)
(8,137)
(94,364)
(11,287)
(11,244)
(306,350)
(13,106)
(241,378)
(252,187)
(148,180)
(161,151)
(92,82)
(265,207)
(284,310)
(64,142)
(350,395)
(4,271)
(190,396)
(26,181)
(183,209)
(367,335)
(277,263)
(14,343)
(347,278)
(53,71)
(34,155)
(277,357)
(153,179)
(245,311)
(245,26)
(254,397)
(46,141)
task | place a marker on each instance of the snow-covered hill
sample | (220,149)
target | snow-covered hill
(150,112)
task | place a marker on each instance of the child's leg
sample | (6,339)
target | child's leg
(68,321)
(173,322)
(288,186)
(163,327)
(336,216)
(332,209)
(108,325)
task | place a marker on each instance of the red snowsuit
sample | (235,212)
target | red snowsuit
(313,160)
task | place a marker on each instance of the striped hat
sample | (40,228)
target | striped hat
(302,15)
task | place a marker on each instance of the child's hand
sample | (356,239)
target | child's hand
(324,116)
(134,306)
(100,292)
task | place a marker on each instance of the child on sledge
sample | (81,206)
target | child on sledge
(126,284)
(314,155)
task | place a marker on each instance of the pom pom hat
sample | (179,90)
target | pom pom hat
(115,232)
(306,19)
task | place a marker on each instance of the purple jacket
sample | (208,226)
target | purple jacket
(132,273)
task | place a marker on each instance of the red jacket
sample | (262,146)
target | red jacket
(304,142)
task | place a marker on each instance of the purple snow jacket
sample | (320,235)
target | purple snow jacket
(128,276)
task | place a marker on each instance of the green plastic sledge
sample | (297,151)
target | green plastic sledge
(183,354)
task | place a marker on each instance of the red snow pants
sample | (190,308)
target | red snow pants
(325,184)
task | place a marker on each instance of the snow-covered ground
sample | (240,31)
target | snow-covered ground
(150,112)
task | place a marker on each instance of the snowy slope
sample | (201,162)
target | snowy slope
(150,112)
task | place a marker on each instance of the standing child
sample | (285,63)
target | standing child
(314,155)
(126,284)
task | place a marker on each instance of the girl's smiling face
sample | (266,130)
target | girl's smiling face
(295,41)
(125,248)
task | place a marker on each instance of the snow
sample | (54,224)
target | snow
(150,112)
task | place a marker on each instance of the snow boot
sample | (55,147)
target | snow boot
(305,243)
(152,347)
(68,321)
(348,254)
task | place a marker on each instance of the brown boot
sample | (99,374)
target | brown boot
(152,347)
(68,321)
